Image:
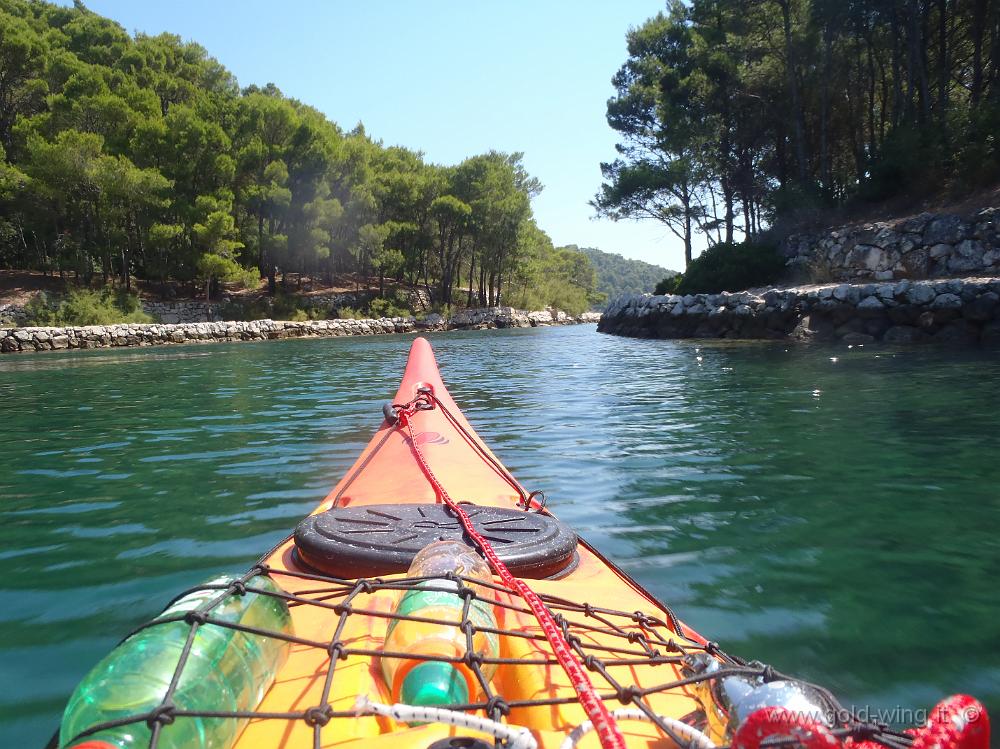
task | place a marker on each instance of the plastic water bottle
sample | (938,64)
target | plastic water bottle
(226,670)
(418,681)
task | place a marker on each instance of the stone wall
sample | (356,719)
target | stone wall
(924,246)
(12,314)
(14,340)
(138,334)
(508,317)
(186,311)
(953,311)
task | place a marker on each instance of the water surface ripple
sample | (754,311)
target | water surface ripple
(834,512)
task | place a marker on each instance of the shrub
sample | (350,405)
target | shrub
(244,309)
(669,284)
(447,311)
(39,310)
(732,267)
(349,313)
(296,308)
(387,308)
(86,307)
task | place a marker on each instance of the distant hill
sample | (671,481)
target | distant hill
(618,275)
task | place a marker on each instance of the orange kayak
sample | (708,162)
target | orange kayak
(563,648)
(388,473)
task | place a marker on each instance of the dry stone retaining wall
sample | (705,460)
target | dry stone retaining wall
(181,312)
(12,314)
(965,310)
(140,334)
(924,246)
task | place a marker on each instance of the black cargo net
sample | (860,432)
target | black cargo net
(629,639)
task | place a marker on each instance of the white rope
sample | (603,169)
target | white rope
(697,738)
(517,737)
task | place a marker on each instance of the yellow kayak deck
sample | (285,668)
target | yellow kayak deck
(632,652)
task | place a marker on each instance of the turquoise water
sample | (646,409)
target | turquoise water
(838,519)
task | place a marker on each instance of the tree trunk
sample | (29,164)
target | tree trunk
(798,116)
(727,196)
(686,199)
(873,144)
(825,170)
(917,99)
(943,71)
(897,78)
(978,28)
(993,84)
(472,269)
(261,255)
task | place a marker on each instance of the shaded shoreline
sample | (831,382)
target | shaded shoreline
(62,338)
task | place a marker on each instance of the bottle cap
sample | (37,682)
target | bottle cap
(434,684)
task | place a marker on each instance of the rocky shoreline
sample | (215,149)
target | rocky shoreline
(24,339)
(961,310)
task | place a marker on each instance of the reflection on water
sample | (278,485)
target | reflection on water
(831,511)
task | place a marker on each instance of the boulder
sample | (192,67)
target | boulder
(846,293)
(947,301)
(916,263)
(870,306)
(920,294)
(948,229)
(968,255)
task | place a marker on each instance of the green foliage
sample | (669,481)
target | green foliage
(298,308)
(387,308)
(141,157)
(87,307)
(733,116)
(279,307)
(732,267)
(349,313)
(562,278)
(669,284)
(619,275)
(245,309)
(447,311)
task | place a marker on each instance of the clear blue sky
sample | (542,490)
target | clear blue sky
(449,78)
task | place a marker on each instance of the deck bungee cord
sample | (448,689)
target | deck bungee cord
(597,712)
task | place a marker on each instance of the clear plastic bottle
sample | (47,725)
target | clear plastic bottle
(418,681)
(226,670)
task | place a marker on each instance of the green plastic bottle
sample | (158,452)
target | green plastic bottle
(419,681)
(226,670)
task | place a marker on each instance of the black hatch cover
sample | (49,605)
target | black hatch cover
(372,540)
